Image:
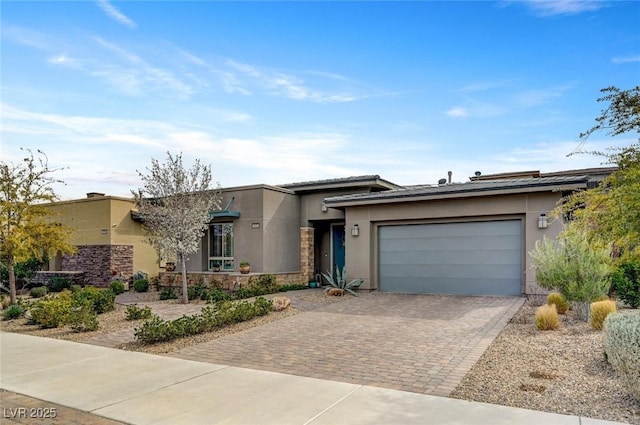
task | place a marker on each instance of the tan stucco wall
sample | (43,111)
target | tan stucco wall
(106,220)
(361,251)
(89,218)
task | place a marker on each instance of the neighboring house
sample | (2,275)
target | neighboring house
(109,243)
(450,238)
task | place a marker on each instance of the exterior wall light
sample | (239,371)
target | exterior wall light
(355,230)
(543,221)
(323,207)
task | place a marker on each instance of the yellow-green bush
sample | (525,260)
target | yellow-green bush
(621,339)
(53,311)
(599,311)
(547,317)
(559,301)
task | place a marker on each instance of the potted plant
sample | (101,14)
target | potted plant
(245,267)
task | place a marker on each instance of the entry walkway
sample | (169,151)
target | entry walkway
(140,389)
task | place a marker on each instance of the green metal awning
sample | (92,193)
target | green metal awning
(225,212)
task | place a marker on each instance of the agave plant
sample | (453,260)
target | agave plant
(340,281)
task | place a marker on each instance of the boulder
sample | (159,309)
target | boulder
(281,303)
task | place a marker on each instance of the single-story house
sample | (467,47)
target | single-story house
(447,238)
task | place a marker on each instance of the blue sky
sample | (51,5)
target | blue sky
(280,92)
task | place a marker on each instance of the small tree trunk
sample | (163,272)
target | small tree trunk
(185,292)
(12,279)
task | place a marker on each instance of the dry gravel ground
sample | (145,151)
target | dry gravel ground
(561,371)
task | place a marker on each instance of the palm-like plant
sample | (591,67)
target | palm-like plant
(340,281)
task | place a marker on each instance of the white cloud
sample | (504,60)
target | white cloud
(536,97)
(242,77)
(546,8)
(100,150)
(482,86)
(26,37)
(626,59)
(137,77)
(458,112)
(115,14)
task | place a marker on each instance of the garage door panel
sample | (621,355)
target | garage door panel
(461,286)
(469,242)
(446,271)
(448,230)
(446,257)
(483,258)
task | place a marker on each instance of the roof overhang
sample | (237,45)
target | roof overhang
(457,191)
(372,182)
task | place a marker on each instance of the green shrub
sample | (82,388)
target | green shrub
(168,293)
(141,285)
(102,300)
(215,295)
(53,311)
(117,287)
(546,317)
(226,312)
(573,265)
(559,301)
(195,292)
(38,291)
(76,309)
(58,284)
(599,312)
(626,282)
(242,293)
(291,287)
(621,338)
(136,313)
(266,283)
(83,317)
(13,312)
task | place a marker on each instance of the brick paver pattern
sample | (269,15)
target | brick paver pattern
(418,343)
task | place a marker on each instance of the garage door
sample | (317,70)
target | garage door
(476,258)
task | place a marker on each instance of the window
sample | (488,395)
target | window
(221,246)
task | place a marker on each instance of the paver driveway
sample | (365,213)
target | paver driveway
(419,343)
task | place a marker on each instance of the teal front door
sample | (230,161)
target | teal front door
(337,243)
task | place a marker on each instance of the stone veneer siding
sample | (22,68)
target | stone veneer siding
(42,278)
(229,281)
(307,253)
(101,263)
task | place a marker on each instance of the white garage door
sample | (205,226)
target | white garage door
(475,258)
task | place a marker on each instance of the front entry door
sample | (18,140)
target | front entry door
(337,246)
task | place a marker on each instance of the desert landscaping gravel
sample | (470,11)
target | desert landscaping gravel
(562,371)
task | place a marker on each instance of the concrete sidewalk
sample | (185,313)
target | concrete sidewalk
(140,389)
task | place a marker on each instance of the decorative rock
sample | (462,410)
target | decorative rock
(335,292)
(281,303)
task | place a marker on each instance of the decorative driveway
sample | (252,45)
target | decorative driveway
(419,343)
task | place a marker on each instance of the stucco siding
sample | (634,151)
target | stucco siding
(362,251)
